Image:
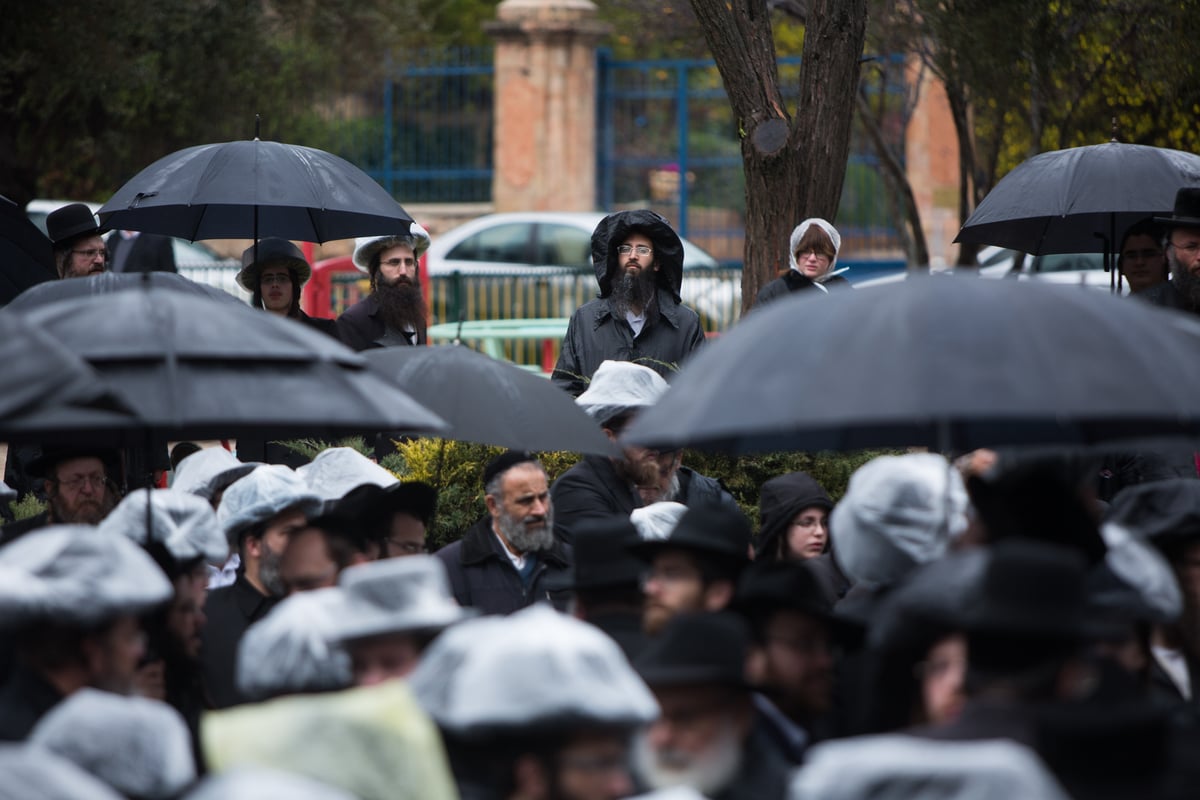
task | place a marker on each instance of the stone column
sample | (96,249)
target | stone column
(544,148)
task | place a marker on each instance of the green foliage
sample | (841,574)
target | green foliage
(309,448)
(28,506)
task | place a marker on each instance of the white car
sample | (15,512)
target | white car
(997,263)
(539,264)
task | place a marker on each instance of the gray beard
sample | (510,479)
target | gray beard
(523,539)
(634,292)
(1185,282)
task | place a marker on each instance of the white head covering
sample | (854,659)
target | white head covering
(656,521)
(76,574)
(265,492)
(365,247)
(336,471)
(138,746)
(556,669)
(208,471)
(396,595)
(620,386)
(834,237)
(289,650)
(898,512)
(34,773)
(183,523)
(261,783)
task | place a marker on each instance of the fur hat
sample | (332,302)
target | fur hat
(366,247)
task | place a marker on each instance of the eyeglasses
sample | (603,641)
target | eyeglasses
(640,249)
(280,277)
(74,484)
(1189,249)
(812,251)
(407,263)
(406,548)
(1130,255)
(90,255)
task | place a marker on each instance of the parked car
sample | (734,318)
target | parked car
(538,264)
(997,263)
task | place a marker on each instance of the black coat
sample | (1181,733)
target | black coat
(590,490)
(360,327)
(325,326)
(230,611)
(793,281)
(15,530)
(1165,294)
(764,772)
(146,252)
(483,577)
(700,491)
(24,699)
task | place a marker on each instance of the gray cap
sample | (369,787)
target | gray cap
(338,470)
(618,387)
(261,783)
(138,746)
(396,595)
(76,574)
(289,651)
(184,524)
(898,512)
(269,490)
(208,471)
(33,773)
(557,672)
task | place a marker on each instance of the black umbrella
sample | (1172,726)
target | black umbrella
(108,282)
(236,190)
(1079,200)
(26,256)
(953,363)
(194,367)
(488,401)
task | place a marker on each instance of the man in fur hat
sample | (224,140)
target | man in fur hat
(394,313)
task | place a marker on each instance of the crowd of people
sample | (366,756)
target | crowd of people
(1003,624)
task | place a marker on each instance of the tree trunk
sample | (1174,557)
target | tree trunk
(794,168)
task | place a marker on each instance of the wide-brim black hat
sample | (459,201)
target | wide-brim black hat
(256,256)
(601,554)
(711,530)
(697,649)
(71,221)
(1187,210)
(370,504)
(50,457)
(769,586)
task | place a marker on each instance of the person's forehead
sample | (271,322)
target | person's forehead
(636,237)
(523,479)
(790,622)
(1185,235)
(674,557)
(396,251)
(1141,240)
(686,697)
(88,243)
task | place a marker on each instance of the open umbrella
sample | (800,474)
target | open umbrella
(947,362)
(195,367)
(108,282)
(1079,200)
(235,190)
(488,401)
(26,257)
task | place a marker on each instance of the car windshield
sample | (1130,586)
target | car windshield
(1068,262)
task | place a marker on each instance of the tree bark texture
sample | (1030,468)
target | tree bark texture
(794,165)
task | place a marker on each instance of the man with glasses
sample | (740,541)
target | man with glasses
(638,316)
(1183,255)
(78,248)
(78,485)
(394,313)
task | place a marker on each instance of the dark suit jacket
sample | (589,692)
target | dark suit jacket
(146,252)
(230,611)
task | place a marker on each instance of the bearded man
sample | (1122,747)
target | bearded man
(79,489)
(510,558)
(394,313)
(1183,255)
(638,316)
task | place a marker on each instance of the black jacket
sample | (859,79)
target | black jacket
(361,328)
(230,611)
(699,491)
(793,281)
(483,577)
(764,773)
(325,326)
(590,490)
(24,699)
(1165,294)
(15,530)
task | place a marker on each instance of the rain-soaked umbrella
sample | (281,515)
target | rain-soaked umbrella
(946,362)
(108,282)
(194,367)
(488,401)
(26,256)
(248,189)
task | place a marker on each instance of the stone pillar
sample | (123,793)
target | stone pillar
(931,158)
(544,147)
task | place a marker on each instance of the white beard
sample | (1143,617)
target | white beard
(708,772)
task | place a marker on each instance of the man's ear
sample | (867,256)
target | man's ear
(530,781)
(718,595)
(492,505)
(47,487)
(612,436)
(253,546)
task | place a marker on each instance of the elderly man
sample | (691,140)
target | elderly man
(70,599)
(78,248)
(510,558)
(1183,255)
(394,313)
(258,514)
(78,485)
(638,316)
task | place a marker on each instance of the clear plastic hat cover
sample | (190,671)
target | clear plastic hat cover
(289,650)
(265,492)
(183,523)
(334,472)
(619,386)
(34,773)
(259,783)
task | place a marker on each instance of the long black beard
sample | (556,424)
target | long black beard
(634,292)
(1187,283)
(401,305)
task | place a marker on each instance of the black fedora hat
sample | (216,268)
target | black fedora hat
(1187,210)
(712,530)
(370,504)
(769,586)
(694,649)
(602,557)
(256,256)
(66,223)
(50,457)
(1166,512)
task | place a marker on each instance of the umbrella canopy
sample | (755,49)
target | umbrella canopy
(25,252)
(193,367)
(107,282)
(238,190)
(488,401)
(947,362)
(1079,200)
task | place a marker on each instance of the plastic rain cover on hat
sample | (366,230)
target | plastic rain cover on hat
(898,767)
(289,651)
(247,783)
(373,742)
(396,595)
(138,746)
(210,470)
(74,574)
(265,492)
(898,512)
(655,522)
(33,773)
(1143,570)
(620,386)
(533,669)
(183,523)
(334,472)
